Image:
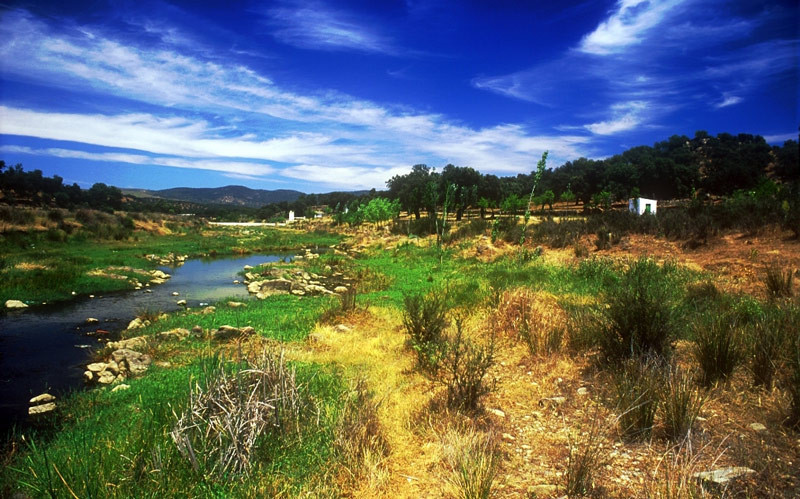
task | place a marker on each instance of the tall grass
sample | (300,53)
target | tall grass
(681,402)
(472,460)
(718,347)
(636,388)
(425,320)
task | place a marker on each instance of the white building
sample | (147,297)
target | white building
(640,206)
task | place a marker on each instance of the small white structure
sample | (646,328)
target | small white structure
(640,206)
(291,216)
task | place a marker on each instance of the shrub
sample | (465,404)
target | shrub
(603,240)
(636,389)
(680,403)
(464,369)
(55,215)
(778,283)
(472,461)
(718,348)
(641,317)
(580,250)
(585,325)
(425,319)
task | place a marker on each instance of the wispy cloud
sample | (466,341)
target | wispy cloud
(627,25)
(232,116)
(625,116)
(313,25)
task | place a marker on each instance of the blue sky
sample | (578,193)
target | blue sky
(323,95)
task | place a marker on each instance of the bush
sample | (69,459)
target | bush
(767,337)
(425,319)
(636,385)
(464,369)
(718,348)
(580,250)
(778,283)
(641,317)
(680,402)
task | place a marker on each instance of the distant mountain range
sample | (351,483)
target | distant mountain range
(238,195)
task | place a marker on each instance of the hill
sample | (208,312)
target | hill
(238,195)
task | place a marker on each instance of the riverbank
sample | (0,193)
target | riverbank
(36,269)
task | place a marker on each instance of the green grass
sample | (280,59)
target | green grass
(119,445)
(67,263)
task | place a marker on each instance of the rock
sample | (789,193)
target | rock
(273,286)
(134,362)
(236,281)
(41,409)
(176,334)
(757,427)
(106,378)
(224,333)
(175,293)
(236,304)
(157,280)
(135,343)
(197,332)
(327,269)
(44,397)
(112,367)
(247,267)
(88,376)
(583,391)
(148,290)
(508,437)
(315,289)
(96,367)
(497,412)
(182,303)
(341,328)
(136,323)
(120,387)
(298,292)
(92,320)
(15,304)
(340,289)
(208,310)
(159,274)
(722,476)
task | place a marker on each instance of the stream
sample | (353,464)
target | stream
(46,348)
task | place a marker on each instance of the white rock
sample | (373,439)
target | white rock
(508,437)
(120,387)
(181,303)
(341,328)
(45,397)
(582,391)
(498,413)
(175,293)
(16,304)
(757,427)
(40,409)
(722,476)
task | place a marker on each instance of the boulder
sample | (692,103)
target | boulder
(138,323)
(41,399)
(176,334)
(96,367)
(181,303)
(132,361)
(41,409)
(159,274)
(15,304)
(273,286)
(208,310)
(135,343)
(175,293)
(88,376)
(106,378)
(340,289)
(298,292)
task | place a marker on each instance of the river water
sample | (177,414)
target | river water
(46,348)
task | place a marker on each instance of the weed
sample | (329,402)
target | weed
(360,439)
(681,402)
(718,348)
(425,319)
(464,369)
(219,432)
(779,283)
(642,319)
(472,460)
(585,459)
(636,389)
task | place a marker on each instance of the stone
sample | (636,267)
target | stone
(583,391)
(182,303)
(112,367)
(247,267)
(224,333)
(723,476)
(175,293)
(757,427)
(148,290)
(197,332)
(340,289)
(44,397)
(315,289)
(208,310)
(298,292)
(508,437)
(160,274)
(120,387)
(96,367)
(135,343)
(176,334)
(236,304)
(88,376)
(236,281)
(341,328)
(497,412)
(157,280)
(15,304)
(106,378)
(41,409)
(543,490)
(136,323)
(92,320)
(134,362)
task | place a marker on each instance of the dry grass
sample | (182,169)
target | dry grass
(533,317)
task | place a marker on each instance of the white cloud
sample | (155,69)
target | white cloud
(729,100)
(627,25)
(312,25)
(625,116)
